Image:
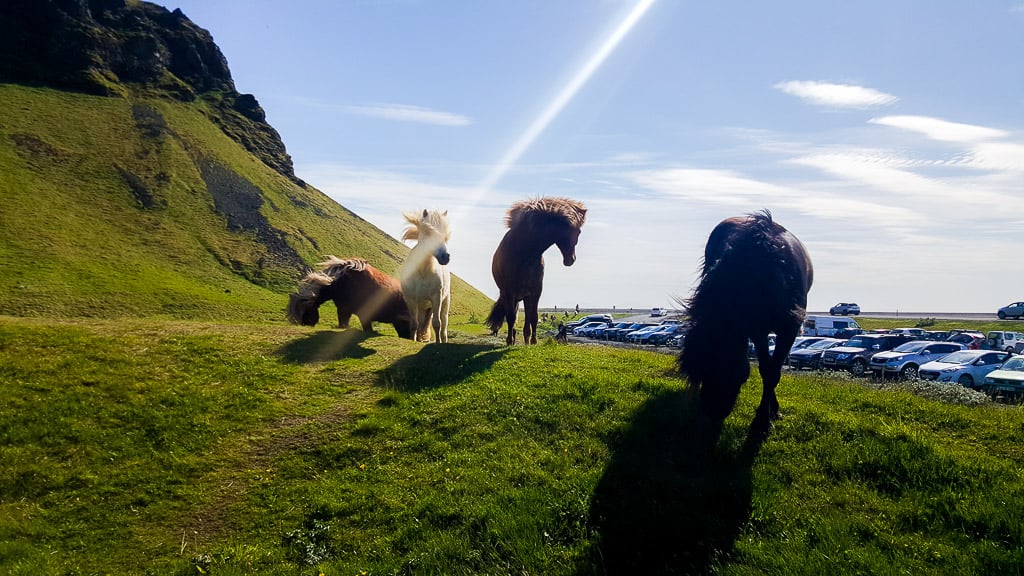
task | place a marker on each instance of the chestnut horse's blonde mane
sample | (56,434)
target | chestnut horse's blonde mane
(425,224)
(572,211)
(330,271)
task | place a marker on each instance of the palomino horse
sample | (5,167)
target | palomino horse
(518,264)
(356,288)
(425,279)
(754,281)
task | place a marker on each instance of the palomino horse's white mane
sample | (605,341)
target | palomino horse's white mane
(426,224)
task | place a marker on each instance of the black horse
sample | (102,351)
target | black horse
(754,282)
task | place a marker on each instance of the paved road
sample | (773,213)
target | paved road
(644,316)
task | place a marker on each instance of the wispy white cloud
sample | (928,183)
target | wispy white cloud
(939,129)
(728,188)
(406,113)
(836,95)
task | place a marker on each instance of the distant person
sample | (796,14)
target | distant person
(562,336)
(577,308)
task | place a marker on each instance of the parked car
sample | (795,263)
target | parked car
(658,312)
(646,337)
(617,334)
(844,308)
(1006,381)
(966,367)
(586,329)
(810,356)
(905,359)
(676,341)
(1000,340)
(970,339)
(602,332)
(633,337)
(915,332)
(828,326)
(590,318)
(800,342)
(857,352)
(936,335)
(661,338)
(1015,310)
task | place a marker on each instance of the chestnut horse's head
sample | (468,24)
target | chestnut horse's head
(303,310)
(566,243)
(554,220)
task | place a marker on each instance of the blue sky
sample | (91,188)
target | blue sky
(887,135)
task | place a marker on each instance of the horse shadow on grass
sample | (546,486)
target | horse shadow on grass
(437,365)
(676,493)
(327,346)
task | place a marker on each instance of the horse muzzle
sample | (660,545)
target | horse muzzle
(443,257)
(569,260)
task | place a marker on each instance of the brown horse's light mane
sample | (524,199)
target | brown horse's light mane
(330,270)
(433,221)
(574,213)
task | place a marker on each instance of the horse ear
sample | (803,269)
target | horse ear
(445,213)
(424,212)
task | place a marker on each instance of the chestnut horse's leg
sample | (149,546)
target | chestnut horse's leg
(414,320)
(530,322)
(367,323)
(344,315)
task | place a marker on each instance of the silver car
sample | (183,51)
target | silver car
(905,359)
(966,367)
(1015,310)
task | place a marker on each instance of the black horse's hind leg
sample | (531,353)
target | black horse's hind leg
(770,367)
(511,311)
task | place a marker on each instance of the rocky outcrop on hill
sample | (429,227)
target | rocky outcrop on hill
(115,47)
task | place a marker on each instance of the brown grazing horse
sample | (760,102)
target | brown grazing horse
(356,288)
(518,264)
(755,280)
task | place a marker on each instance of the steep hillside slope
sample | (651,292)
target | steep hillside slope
(139,200)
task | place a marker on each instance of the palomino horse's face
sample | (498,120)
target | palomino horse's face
(567,245)
(437,233)
(442,255)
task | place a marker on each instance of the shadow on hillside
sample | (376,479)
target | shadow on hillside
(437,365)
(327,346)
(675,494)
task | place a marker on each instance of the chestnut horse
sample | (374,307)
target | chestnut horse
(426,281)
(518,264)
(754,281)
(356,288)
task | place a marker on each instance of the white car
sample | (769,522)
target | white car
(966,367)
(1007,381)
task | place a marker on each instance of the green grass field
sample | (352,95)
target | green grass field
(178,447)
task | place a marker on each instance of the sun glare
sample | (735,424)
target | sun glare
(564,96)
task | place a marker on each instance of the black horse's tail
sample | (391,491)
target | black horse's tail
(497,317)
(714,354)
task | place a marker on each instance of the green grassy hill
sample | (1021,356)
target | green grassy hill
(185,448)
(142,205)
